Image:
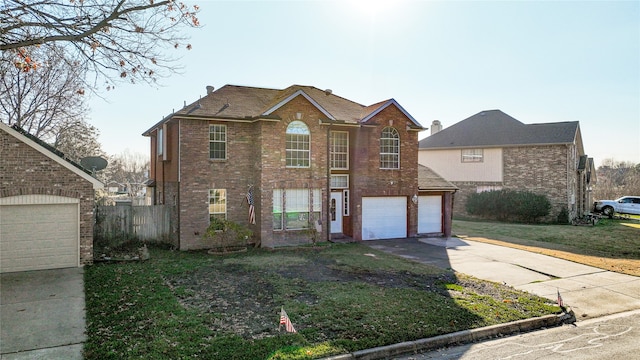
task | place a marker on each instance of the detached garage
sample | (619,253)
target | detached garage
(435,203)
(46,206)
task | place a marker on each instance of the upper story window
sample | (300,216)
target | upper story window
(298,145)
(218,142)
(389,149)
(472,155)
(160,141)
(340,150)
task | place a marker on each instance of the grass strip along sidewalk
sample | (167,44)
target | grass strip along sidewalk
(339,297)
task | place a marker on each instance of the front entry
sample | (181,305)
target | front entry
(336,212)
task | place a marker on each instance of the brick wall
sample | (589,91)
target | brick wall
(545,170)
(26,171)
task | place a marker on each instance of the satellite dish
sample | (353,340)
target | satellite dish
(93,163)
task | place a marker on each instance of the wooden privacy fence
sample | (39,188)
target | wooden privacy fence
(118,224)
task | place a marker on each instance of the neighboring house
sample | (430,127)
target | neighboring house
(310,161)
(46,206)
(493,151)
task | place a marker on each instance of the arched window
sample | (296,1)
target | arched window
(389,149)
(298,148)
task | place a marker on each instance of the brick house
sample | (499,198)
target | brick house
(46,206)
(491,150)
(309,158)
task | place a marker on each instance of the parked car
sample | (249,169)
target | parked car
(623,205)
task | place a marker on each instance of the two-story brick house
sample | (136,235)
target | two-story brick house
(309,159)
(491,151)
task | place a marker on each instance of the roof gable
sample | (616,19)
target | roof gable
(46,151)
(377,108)
(293,96)
(494,128)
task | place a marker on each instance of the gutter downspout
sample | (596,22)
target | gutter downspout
(329,183)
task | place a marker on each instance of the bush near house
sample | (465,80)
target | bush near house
(509,205)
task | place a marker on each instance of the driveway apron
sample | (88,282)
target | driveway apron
(42,314)
(589,291)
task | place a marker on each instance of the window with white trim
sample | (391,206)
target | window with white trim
(298,145)
(472,155)
(296,209)
(339,150)
(389,148)
(217,204)
(218,142)
(345,202)
(160,141)
(339,181)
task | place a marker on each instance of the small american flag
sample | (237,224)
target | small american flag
(252,209)
(560,303)
(284,320)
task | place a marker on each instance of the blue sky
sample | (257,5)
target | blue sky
(538,61)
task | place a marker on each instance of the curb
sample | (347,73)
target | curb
(457,338)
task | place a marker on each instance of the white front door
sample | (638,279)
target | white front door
(336,212)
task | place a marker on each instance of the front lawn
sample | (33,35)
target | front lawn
(340,298)
(610,244)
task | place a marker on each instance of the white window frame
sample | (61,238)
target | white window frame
(220,137)
(298,145)
(215,208)
(296,209)
(160,141)
(334,150)
(336,185)
(390,148)
(471,155)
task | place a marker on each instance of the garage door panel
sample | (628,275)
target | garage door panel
(429,214)
(38,236)
(384,217)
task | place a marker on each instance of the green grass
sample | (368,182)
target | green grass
(608,238)
(340,298)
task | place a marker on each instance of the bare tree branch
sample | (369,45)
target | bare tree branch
(114,39)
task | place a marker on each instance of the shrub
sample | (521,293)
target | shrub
(509,205)
(227,235)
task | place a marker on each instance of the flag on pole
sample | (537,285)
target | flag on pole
(560,303)
(284,320)
(252,209)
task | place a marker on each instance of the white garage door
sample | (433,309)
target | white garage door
(384,218)
(429,214)
(39,236)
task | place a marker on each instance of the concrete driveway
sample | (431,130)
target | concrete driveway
(589,291)
(42,314)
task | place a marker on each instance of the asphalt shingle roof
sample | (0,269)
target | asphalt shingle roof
(430,180)
(495,128)
(248,103)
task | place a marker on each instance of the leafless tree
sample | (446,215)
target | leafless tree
(42,102)
(78,139)
(114,39)
(129,170)
(617,178)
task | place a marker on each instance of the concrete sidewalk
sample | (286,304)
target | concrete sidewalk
(589,291)
(42,314)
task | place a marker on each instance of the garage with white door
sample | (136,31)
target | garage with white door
(46,205)
(39,232)
(384,217)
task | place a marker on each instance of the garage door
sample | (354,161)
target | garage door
(429,214)
(384,218)
(39,236)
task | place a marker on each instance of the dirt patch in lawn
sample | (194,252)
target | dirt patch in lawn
(240,298)
(623,266)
